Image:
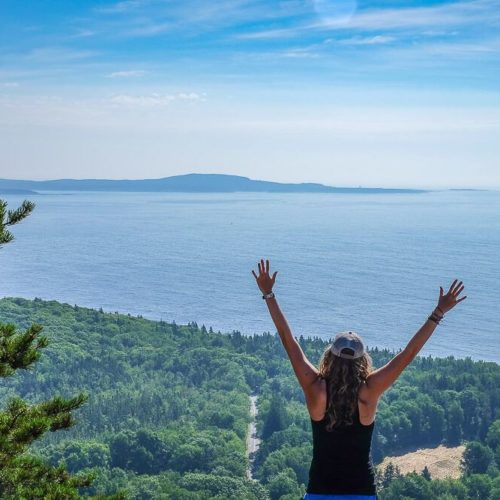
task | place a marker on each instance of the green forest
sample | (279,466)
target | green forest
(167,409)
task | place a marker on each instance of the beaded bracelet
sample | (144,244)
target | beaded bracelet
(435,318)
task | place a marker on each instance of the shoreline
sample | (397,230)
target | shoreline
(229,332)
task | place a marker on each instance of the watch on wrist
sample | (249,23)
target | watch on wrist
(269,295)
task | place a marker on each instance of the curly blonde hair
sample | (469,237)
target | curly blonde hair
(344,378)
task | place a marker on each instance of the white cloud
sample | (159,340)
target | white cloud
(9,85)
(305,53)
(272,34)
(317,50)
(141,18)
(150,29)
(426,54)
(452,14)
(463,13)
(191,96)
(59,54)
(84,33)
(119,7)
(483,46)
(368,40)
(126,74)
(155,100)
(439,32)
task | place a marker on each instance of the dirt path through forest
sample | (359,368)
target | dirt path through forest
(252,440)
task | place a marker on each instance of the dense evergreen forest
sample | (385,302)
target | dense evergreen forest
(168,409)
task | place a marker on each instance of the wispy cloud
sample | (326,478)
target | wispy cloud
(440,15)
(323,48)
(365,40)
(301,53)
(147,18)
(59,54)
(83,33)
(440,54)
(425,17)
(119,7)
(485,47)
(126,74)
(155,99)
(149,29)
(271,34)
(9,85)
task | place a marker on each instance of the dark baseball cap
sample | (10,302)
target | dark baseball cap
(348,345)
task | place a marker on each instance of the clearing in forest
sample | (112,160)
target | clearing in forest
(442,462)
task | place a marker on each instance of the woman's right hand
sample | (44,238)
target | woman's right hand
(264,281)
(449,300)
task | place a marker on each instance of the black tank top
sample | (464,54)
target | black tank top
(341,462)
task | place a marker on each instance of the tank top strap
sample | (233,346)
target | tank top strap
(327,395)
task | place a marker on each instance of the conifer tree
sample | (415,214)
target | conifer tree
(276,419)
(22,475)
(426,473)
(391,472)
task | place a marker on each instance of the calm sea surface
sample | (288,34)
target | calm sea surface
(372,263)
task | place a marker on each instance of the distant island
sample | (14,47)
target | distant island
(189,183)
(16,191)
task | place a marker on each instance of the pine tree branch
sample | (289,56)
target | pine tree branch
(57,405)
(17,215)
(16,412)
(19,350)
(11,217)
(5,236)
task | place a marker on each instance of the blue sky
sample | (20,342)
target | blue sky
(373,93)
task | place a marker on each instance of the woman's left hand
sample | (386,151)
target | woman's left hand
(264,281)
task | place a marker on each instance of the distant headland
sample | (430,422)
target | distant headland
(188,183)
(15,190)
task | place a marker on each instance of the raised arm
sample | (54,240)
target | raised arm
(305,371)
(380,380)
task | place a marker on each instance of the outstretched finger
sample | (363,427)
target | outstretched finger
(263,266)
(463,298)
(253,272)
(260,268)
(458,291)
(274,276)
(457,286)
(267,265)
(452,286)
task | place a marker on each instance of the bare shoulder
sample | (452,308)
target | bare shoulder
(367,404)
(316,399)
(366,395)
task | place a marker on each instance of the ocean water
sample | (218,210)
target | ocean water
(372,263)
